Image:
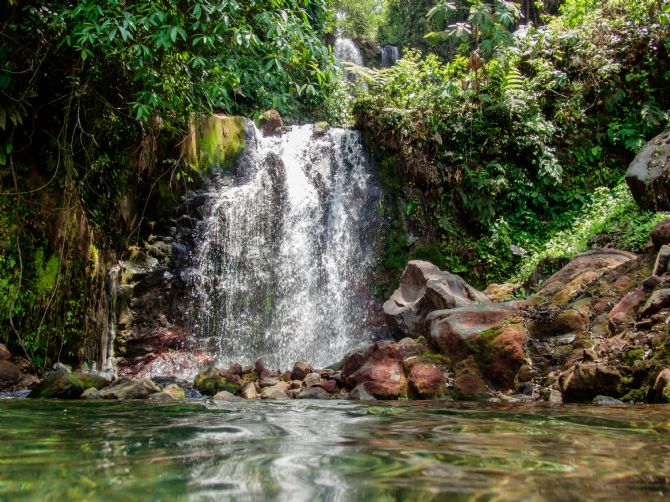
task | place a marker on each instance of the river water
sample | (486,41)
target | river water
(331,450)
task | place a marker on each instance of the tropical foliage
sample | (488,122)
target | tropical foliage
(506,142)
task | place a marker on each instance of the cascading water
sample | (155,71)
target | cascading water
(287,249)
(390,56)
(346,52)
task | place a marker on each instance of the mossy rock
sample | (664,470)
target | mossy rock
(210,381)
(216,141)
(62,385)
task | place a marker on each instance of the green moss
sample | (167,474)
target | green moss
(636,395)
(634,355)
(220,142)
(439,359)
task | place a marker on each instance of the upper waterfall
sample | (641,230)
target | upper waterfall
(285,253)
(390,55)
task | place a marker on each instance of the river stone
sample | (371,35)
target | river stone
(648,176)
(62,385)
(606,401)
(4,352)
(300,370)
(131,389)
(278,391)
(161,396)
(360,393)
(90,394)
(174,391)
(329,385)
(423,289)
(584,381)
(426,380)
(211,380)
(311,380)
(313,393)
(249,391)
(224,395)
(268,381)
(625,311)
(9,373)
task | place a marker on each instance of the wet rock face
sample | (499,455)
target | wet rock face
(426,380)
(423,289)
(648,176)
(661,390)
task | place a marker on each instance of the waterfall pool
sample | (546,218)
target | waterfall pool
(331,450)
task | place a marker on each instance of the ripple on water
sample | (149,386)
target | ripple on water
(301,450)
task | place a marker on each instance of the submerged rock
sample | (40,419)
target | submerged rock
(62,385)
(606,401)
(423,289)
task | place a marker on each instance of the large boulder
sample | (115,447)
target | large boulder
(64,385)
(491,336)
(423,289)
(648,176)
(585,268)
(661,390)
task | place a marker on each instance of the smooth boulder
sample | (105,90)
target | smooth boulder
(423,289)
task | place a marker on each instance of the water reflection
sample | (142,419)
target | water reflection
(302,450)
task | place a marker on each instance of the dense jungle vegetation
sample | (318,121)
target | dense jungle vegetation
(502,136)
(512,147)
(94,98)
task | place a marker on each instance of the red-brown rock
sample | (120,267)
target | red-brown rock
(624,312)
(562,287)
(426,380)
(329,385)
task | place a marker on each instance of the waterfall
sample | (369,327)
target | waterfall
(390,55)
(287,249)
(346,52)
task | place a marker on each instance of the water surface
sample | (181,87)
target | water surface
(331,450)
